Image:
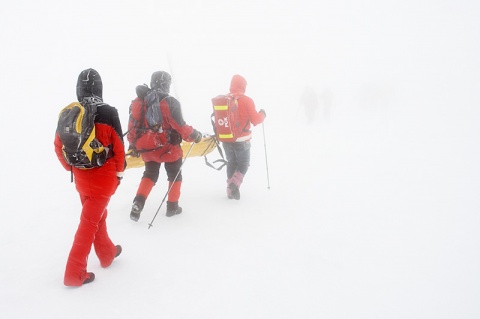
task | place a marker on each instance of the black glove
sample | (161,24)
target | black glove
(196,136)
(133,151)
(263,111)
(174,138)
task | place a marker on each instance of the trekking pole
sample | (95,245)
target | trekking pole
(171,185)
(266,160)
(124,134)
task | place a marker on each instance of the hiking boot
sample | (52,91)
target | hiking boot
(229,193)
(119,251)
(89,278)
(173,209)
(137,207)
(229,190)
(234,184)
(235,191)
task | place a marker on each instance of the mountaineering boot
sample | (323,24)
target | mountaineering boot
(145,187)
(229,190)
(106,262)
(137,207)
(89,278)
(173,209)
(173,196)
(119,251)
(234,185)
(234,191)
(77,280)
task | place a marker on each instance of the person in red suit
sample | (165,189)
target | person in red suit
(95,186)
(158,140)
(238,152)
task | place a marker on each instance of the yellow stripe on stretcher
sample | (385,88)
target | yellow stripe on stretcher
(220,107)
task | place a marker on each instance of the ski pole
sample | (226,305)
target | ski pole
(171,185)
(266,160)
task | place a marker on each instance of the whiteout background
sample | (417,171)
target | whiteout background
(372,211)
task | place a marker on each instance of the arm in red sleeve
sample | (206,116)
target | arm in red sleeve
(136,109)
(254,116)
(117,144)
(175,118)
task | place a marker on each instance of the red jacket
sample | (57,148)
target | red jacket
(154,146)
(247,112)
(100,181)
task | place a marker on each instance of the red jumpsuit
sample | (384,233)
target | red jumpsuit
(95,187)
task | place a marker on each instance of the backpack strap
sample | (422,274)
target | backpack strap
(222,160)
(244,128)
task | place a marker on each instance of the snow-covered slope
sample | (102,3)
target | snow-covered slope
(366,220)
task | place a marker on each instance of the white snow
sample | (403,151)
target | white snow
(372,212)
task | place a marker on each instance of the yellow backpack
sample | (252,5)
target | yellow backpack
(76,128)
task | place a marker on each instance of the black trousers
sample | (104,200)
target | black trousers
(152,170)
(238,157)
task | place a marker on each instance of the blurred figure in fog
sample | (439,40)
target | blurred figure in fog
(310,104)
(326,99)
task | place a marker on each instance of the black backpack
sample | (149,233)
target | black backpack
(76,128)
(153,114)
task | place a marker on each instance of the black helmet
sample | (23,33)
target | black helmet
(89,84)
(161,81)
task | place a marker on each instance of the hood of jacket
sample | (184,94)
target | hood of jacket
(89,84)
(238,85)
(161,81)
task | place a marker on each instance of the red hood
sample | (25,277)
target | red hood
(238,84)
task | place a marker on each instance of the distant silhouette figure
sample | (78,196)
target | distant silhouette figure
(310,103)
(326,99)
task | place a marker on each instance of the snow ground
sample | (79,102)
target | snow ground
(376,223)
